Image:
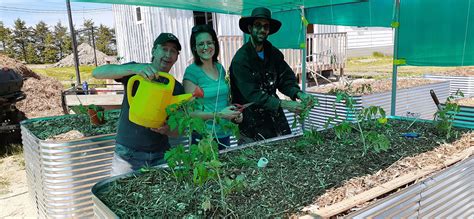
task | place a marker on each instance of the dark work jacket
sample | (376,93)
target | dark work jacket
(256,80)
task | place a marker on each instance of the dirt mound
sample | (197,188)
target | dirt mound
(43,97)
(86,57)
(18,67)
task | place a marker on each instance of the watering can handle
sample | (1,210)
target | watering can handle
(170,78)
(130,83)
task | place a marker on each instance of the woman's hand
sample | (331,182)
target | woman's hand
(229,113)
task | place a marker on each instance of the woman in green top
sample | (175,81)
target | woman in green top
(207,73)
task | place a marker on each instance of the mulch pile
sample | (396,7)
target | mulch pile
(17,66)
(43,94)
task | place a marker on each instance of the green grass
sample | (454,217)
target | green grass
(67,75)
(380,67)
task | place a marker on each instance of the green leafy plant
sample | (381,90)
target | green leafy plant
(444,117)
(358,119)
(310,137)
(199,163)
(309,103)
(96,114)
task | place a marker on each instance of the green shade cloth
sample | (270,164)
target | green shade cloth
(291,34)
(372,13)
(432,32)
(436,33)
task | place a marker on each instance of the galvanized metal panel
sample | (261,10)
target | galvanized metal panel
(135,39)
(410,101)
(60,174)
(448,194)
(462,83)
(228,25)
(328,108)
(366,37)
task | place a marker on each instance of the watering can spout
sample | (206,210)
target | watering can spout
(180,98)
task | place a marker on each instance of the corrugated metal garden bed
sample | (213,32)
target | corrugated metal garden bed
(299,170)
(462,83)
(65,156)
(411,102)
(447,194)
(60,173)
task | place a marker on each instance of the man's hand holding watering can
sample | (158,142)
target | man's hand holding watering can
(146,71)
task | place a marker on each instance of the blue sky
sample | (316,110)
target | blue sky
(52,11)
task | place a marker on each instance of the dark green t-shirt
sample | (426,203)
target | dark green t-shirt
(137,137)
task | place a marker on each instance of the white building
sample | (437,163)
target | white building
(137,27)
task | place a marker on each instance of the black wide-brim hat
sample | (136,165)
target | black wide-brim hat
(257,13)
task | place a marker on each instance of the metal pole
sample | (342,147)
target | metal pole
(74,43)
(303,63)
(93,44)
(395,57)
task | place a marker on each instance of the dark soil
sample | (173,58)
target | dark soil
(49,127)
(297,173)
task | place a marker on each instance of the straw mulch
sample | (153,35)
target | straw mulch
(378,86)
(358,185)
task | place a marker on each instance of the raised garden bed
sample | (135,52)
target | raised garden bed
(413,99)
(463,82)
(64,157)
(465,117)
(299,171)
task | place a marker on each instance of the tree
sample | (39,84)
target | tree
(31,54)
(105,36)
(85,35)
(61,40)
(21,37)
(40,32)
(50,52)
(4,35)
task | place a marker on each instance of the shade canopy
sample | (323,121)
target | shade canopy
(431,33)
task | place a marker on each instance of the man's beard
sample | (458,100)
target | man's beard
(256,40)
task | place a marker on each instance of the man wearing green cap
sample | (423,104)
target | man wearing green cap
(257,70)
(138,146)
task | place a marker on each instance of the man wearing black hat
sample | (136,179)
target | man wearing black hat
(138,146)
(257,70)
